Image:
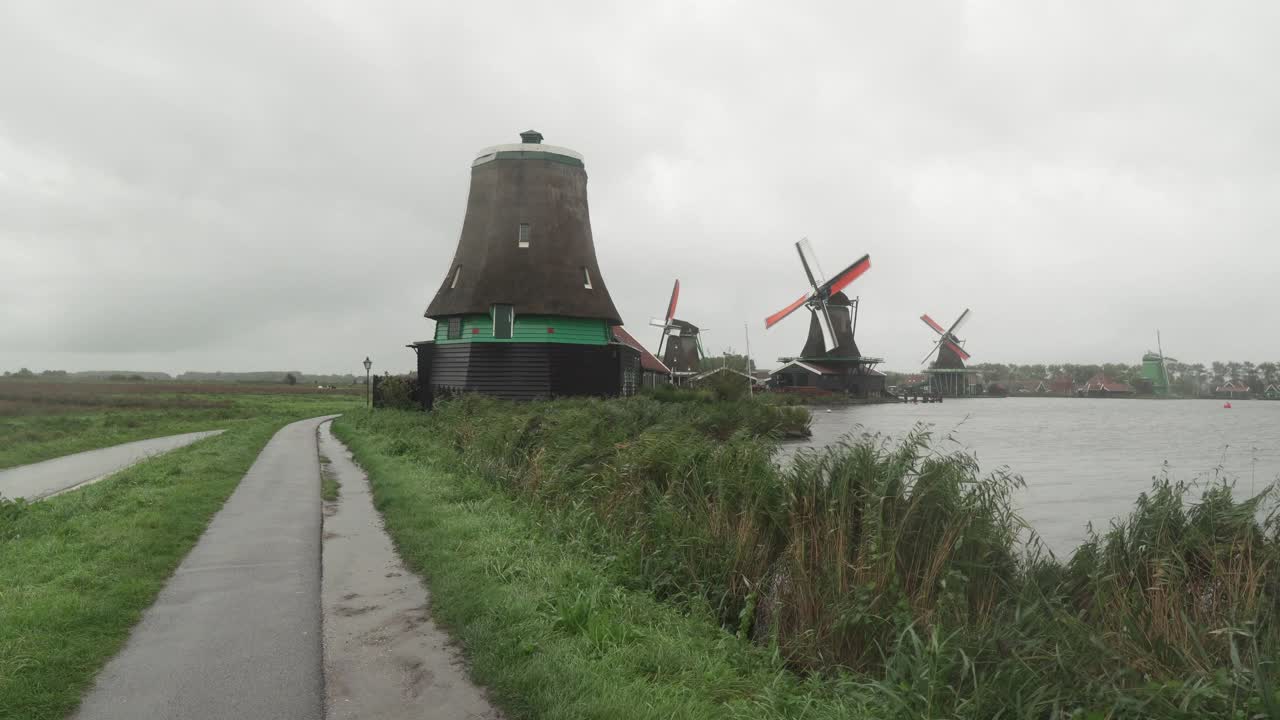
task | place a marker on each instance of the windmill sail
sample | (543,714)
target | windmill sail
(951,355)
(933,324)
(830,316)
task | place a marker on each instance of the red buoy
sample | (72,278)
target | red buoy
(1226,405)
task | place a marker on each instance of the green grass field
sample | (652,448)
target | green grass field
(78,570)
(43,420)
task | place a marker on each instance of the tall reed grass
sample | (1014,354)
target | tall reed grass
(890,568)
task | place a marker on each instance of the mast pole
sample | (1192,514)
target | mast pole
(853,332)
(1164,367)
(751,378)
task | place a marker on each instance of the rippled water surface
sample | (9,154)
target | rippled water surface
(1086,460)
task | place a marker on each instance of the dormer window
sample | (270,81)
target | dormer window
(456,272)
(522,236)
(586,278)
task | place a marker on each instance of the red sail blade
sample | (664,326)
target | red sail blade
(774,318)
(671,306)
(929,321)
(956,349)
(848,275)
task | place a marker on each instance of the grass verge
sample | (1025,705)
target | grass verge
(329,484)
(78,570)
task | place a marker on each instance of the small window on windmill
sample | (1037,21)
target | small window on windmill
(455,328)
(586,278)
(456,272)
(523,235)
(503,321)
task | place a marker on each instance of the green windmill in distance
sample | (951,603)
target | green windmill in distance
(1155,367)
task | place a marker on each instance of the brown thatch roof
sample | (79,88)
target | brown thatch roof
(538,196)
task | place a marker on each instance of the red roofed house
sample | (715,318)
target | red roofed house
(706,376)
(1062,385)
(652,371)
(1028,387)
(1102,386)
(915,381)
(1233,389)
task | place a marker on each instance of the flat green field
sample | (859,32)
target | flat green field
(43,420)
(78,570)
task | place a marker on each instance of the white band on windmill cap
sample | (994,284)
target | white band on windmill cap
(526,150)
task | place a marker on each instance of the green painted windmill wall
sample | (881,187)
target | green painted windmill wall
(1153,370)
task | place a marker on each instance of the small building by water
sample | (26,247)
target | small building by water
(1062,385)
(1102,385)
(652,370)
(1232,389)
(1029,387)
(716,374)
(803,376)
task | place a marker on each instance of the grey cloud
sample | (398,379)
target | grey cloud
(238,185)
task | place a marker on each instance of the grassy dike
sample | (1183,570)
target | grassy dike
(637,559)
(547,626)
(78,570)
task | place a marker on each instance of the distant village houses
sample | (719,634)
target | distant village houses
(1101,385)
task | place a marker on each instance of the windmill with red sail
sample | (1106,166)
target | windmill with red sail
(830,359)
(680,346)
(947,374)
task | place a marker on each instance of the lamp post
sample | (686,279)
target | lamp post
(368,390)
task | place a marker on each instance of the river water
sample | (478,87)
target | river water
(1085,460)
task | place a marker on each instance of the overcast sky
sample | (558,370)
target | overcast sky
(280,185)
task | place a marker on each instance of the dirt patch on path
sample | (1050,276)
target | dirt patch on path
(383,656)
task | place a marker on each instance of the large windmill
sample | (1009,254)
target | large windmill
(948,375)
(680,346)
(523,307)
(830,358)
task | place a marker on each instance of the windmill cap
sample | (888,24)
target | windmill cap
(530,148)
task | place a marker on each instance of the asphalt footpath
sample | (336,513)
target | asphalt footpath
(236,633)
(51,477)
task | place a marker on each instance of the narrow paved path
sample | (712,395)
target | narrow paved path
(384,659)
(246,628)
(43,479)
(236,632)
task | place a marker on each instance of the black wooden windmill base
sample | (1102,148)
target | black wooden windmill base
(526,371)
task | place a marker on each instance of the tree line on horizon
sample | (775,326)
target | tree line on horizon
(289,377)
(1184,378)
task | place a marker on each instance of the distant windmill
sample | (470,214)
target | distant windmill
(830,360)
(948,375)
(948,346)
(832,315)
(1155,368)
(680,346)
